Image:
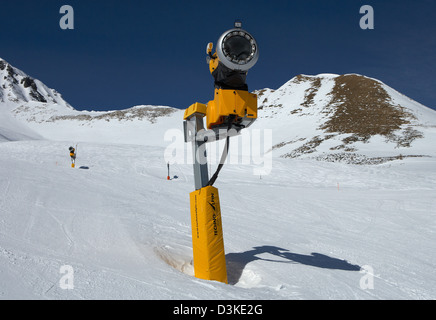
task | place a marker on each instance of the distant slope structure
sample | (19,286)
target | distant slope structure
(12,135)
(13,130)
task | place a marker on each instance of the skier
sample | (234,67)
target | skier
(73,156)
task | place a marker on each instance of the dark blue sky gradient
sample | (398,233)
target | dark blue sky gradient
(126,53)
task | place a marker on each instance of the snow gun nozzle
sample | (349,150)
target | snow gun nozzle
(237,49)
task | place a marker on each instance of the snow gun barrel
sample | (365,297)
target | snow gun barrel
(237,50)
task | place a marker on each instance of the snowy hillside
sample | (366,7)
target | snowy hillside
(349,118)
(16,87)
(18,90)
(41,112)
(303,232)
(308,229)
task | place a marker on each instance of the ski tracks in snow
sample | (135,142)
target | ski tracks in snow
(65,231)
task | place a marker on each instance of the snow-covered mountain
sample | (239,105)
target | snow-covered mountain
(18,90)
(115,228)
(16,87)
(349,118)
(32,107)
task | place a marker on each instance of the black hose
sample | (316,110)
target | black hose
(224,155)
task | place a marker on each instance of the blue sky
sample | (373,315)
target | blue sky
(126,53)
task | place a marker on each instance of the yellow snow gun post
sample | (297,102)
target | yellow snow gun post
(73,153)
(232,109)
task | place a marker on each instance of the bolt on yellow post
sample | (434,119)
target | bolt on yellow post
(232,109)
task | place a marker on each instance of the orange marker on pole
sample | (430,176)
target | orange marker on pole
(168,165)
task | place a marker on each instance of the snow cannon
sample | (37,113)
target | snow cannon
(233,109)
(233,106)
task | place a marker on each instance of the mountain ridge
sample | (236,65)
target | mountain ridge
(328,117)
(336,116)
(17,87)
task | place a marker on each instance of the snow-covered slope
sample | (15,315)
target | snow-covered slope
(142,125)
(16,87)
(41,112)
(348,118)
(18,90)
(307,230)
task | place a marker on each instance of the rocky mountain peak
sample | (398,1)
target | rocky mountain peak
(17,87)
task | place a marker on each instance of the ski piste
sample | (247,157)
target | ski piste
(293,235)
